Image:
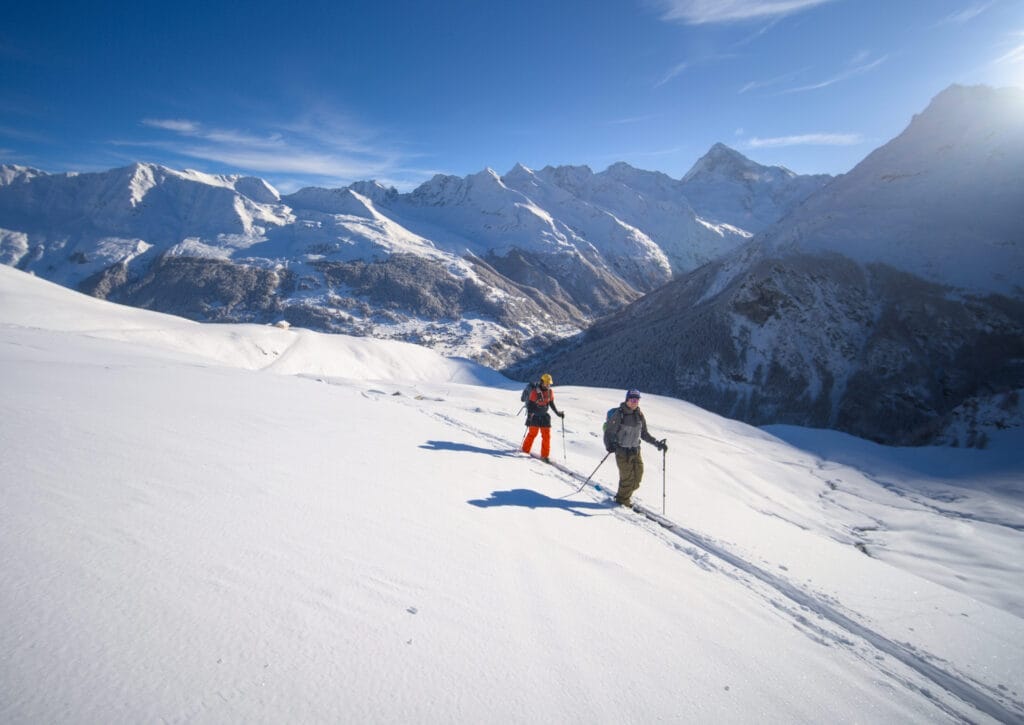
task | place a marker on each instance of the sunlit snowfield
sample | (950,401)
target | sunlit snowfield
(242,523)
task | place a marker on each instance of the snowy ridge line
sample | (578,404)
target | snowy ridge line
(968,691)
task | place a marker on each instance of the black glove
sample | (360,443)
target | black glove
(610,449)
(560,414)
(662,445)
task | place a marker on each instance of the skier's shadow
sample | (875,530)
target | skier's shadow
(526,498)
(466,448)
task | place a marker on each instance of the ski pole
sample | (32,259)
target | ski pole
(595,471)
(664,453)
(565,457)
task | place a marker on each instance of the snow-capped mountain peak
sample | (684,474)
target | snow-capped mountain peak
(11,173)
(621,169)
(725,163)
(573,179)
(942,200)
(521,177)
(375,191)
(328,201)
(257,189)
(440,190)
(487,177)
(730,188)
(83,224)
(519,168)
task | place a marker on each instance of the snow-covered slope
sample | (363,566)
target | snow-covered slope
(31,303)
(189,536)
(632,253)
(943,200)
(654,204)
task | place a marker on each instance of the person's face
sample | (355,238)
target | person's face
(632,402)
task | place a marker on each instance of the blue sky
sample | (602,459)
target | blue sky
(326,93)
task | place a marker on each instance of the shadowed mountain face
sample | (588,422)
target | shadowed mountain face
(811,340)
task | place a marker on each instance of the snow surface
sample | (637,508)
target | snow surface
(242,523)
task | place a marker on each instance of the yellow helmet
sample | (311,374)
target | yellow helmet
(545,379)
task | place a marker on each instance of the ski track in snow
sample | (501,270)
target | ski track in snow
(837,628)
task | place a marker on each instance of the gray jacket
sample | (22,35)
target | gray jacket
(626,428)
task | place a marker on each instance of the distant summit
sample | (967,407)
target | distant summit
(721,161)
(728,187)
(943,200)
(10,173)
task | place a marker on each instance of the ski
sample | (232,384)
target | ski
(592,483)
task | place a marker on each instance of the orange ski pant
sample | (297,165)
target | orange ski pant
(545,440)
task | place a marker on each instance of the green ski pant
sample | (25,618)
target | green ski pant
(631,471)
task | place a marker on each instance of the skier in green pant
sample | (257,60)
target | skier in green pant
(623,431)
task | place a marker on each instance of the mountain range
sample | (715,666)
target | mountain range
(485,266)
(883,302)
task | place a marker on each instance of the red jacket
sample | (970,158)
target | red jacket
(537,408)
(543,397)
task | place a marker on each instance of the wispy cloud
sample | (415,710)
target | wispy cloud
(778,80)
(757,33)
(700,12)
(1015,55)
(857,66)
(638,154)
(680,68)
(172,125)
(21,134)
(632,119)
(807,139)
(672,73)
(967,14)
(861,57)
(318,147)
